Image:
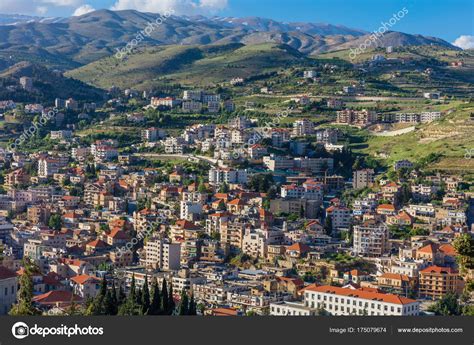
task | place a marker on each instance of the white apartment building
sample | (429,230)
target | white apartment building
(195,95)
(350,301)
(341,217)
(309,192)
(152,134)
(60,135)
(160,254)
(188,209)
(371,239)
(105,153)
(303,128)
(287,308)
(218,176)
(363,178)
(191,106)
(166,102)
(174,145)
(48,167)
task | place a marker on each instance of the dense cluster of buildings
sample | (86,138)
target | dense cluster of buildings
(265,229)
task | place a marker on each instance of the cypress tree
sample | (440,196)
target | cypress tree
(171,304)
(145,302)
(109,306)
(130,307)
(164,297)
(114,297)
(155,303)
(192,306)
(183,304)
(121,296)
(138,300)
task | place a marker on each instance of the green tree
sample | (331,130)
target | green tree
(328,225)
(224,188)
(155,303)
(55,222)
(97,305)
(145,302)
(171,304)
(164,296)
(183,304)
(192,306)
(464,246)
(446,306)
(130,306)
(24,306)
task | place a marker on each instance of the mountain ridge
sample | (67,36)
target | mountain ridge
(76,39)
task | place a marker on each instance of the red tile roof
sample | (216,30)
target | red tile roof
(439,269)
(56,296)
(373,296)
(299,247)
(84,278)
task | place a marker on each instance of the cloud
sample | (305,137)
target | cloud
(464,42)
(68,3)
(178,6)
(84,9)
(35,7)
(41,10)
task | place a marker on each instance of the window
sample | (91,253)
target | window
(6,291)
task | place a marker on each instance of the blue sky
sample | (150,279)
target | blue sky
(447,19)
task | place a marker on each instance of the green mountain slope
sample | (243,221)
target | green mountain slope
(188,65)
(47,85)
(451,138)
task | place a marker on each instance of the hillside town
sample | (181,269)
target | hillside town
(230,218)
(239,218)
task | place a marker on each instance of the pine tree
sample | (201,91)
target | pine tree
(145,301)
(192,306)
(24,306)
(183,304)
(130,306)
(328,225)
(138,301)
(114,298)
(121,296)
(171,304)
(96,306)
(164,297)
(155,303)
